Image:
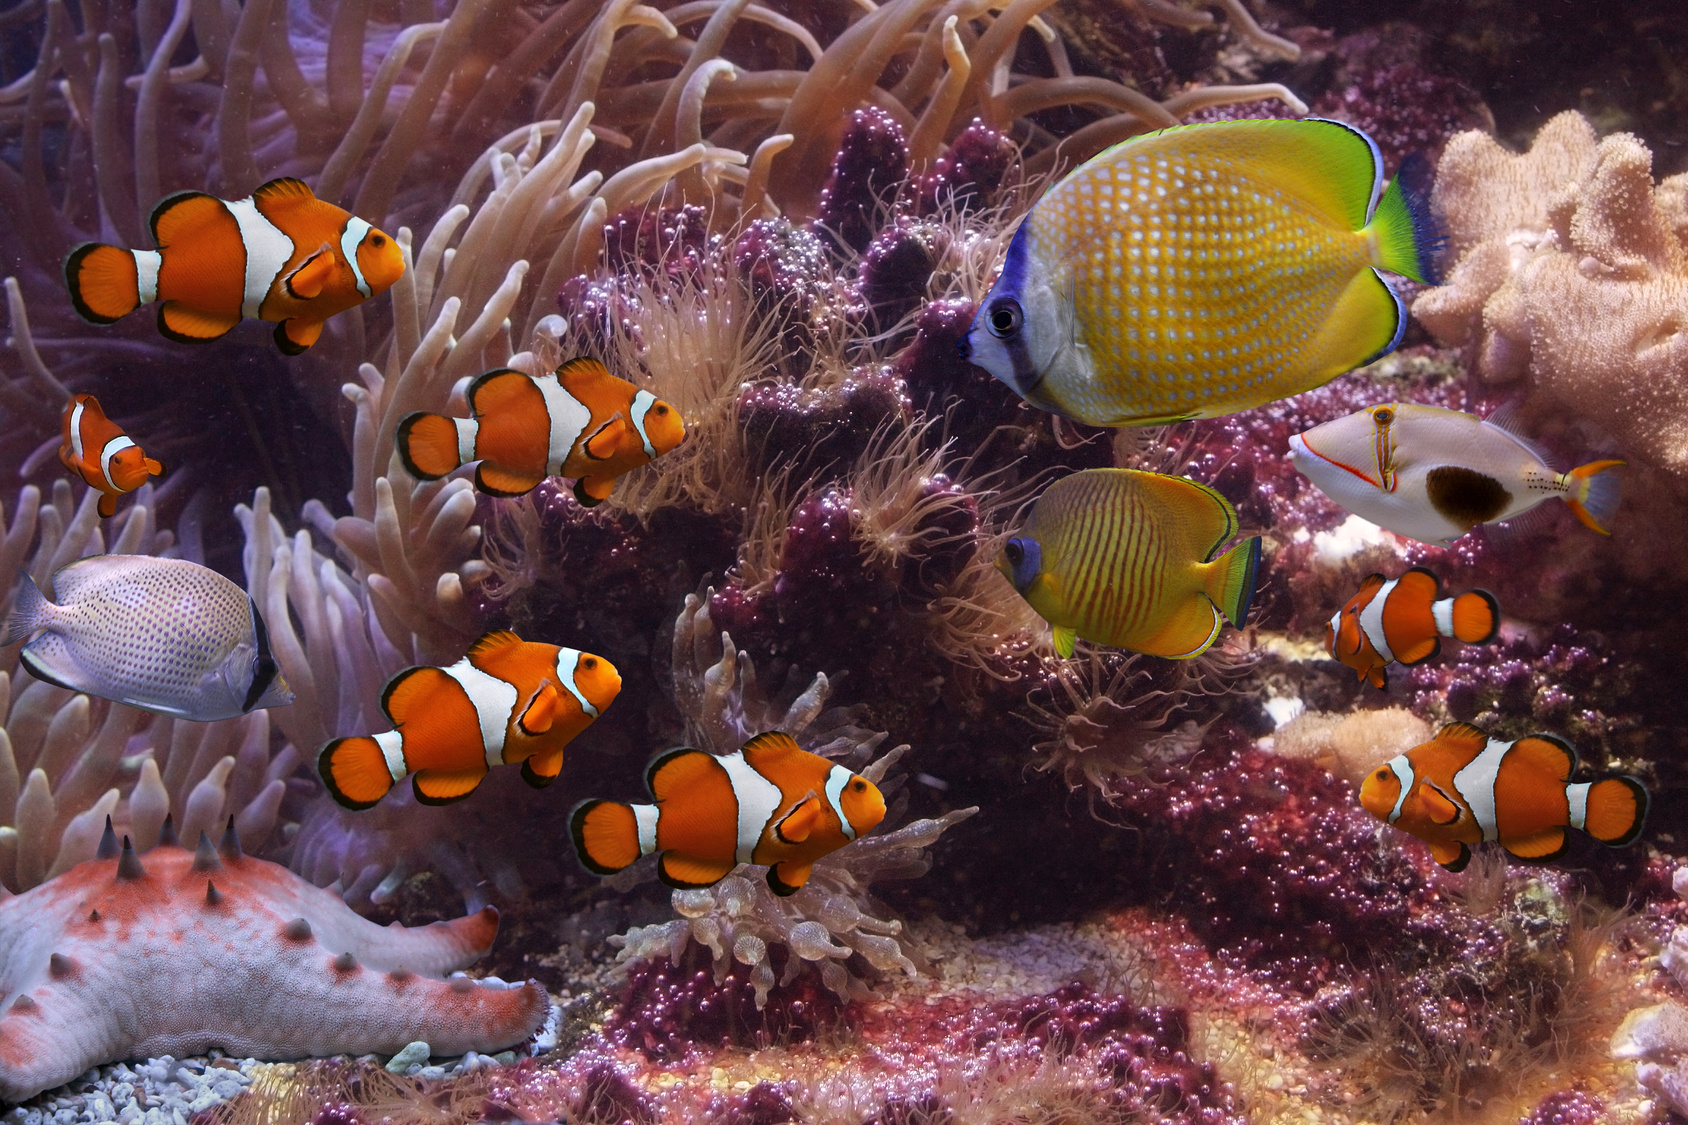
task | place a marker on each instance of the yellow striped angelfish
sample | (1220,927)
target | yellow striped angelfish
(1203,270)
(1126,558)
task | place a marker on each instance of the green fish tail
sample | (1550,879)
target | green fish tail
(1409,239)
(1231,579)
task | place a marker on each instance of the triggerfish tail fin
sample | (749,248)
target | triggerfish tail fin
(355,771)
(1616,810)
(1407,236)
(1475,617)
(1594,492)
(606,835)
(1232,578)
(428,445)
(29,611)
(105,281)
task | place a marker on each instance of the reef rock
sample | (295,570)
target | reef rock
(1657,1035)
(187,950)
(1572,270)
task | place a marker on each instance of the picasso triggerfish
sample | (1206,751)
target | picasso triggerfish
(281,254)
(165,635)
(770,802)
(1433,474)
(1203,270)
(578,421)
(1402,620)
(1126,558)
(507,701)
(1463,787)
(96,449)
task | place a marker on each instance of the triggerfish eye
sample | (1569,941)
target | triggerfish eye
(1025,561)
(1005,318)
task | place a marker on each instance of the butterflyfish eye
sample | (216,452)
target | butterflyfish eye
(1004,319)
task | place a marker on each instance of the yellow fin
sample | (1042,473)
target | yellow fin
(1363,322)
(1202,509)
(1190,631)
(1064,639)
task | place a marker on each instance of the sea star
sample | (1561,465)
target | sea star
(119,959)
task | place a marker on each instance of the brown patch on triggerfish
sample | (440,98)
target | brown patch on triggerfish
(1465,496)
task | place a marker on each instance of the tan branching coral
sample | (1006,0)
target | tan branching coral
(1572,271)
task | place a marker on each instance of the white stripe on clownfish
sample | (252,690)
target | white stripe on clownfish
(268,249)
(1442,613)
(76,429)
(1576,796)
(112,448)
(567,660)
(1403,770)
(836,779)
(351,237)
(494,701)
(645,817)
(147,263)
(569,419)
(642,403)
(1476,786)
(468,429)
(1371,619)
(391,743)
(758,800)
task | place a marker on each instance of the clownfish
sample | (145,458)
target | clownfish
(507,701)
(1402,619)
(280,254)
(578,421)
(769,803)
(1463,787)
(96,449)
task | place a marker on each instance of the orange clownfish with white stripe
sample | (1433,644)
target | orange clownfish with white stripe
(1402,620)
(96,449)
(769,803)
(281,254)
(507,701)
(578,421)
(1463,787)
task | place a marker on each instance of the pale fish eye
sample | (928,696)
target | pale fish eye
(1005,318)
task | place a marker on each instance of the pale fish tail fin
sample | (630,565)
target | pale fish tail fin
(31,611)
(1407,238)
(1593,491)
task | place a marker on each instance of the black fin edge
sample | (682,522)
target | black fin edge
(327,775)
(577,831)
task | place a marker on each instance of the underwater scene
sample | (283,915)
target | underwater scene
(843,562)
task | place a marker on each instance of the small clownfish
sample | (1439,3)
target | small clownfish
(769,803)
(281,254)
(96,449)
(1433,474)
(578,421)
(1401,619)
(507,701)
(1463,787)
(1205,269)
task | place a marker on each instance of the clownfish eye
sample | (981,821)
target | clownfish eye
(589,663)
(859,785)
(660,409)
(1383,415)
(1015,552)
(1004,319)
(1383,774)
(378,240)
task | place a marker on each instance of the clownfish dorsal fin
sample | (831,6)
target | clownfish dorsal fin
(502,388)
(284,187)
(676,769)
(412,688)
(496,641)
(769,746)
(1548,753)
(187,211)
(1421,583)
(312,275)
(603,438)
(1371,583)
(1463,733)
(1438,806)
(580,371)
(798,825)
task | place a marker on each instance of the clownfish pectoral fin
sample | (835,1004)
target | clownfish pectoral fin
(600,446)
(1064,639)
(191,326)
(154,468)
(1438,806)
(542,769)
(788,878)
(592,491)
(1464,733)
(442,787)
(1450,854)
(1549,844)
(684,872)
(677,769)
(1378,676)
(797,825)
(311,276)
(1546,753)
(495,481)
(605,834)
(355,771)
(293,335)
(541,711)
(107,505)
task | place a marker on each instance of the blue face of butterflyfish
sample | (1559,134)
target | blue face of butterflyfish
(1205,269)
(164,635)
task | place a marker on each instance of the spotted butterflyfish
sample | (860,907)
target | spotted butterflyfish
(281,254)
(1402,620)
(1464,787)
(578,421)
(770,803)
(1433,474)
(507,701)
(165,635)
(1205,269)
(96,449)
(1131,559)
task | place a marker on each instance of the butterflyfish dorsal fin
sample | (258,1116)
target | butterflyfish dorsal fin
(1548,753)
(580,371)
(187,212)
(541,711)
(671,772)
(1333,167)
(284,189)
(495,641)
(312,275)
(1463,733)
(1550,843)
(686,872)
(1206,513)
(1438,806)
(798,825)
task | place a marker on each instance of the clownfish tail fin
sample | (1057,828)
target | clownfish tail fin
(1594,490)
(355,771)
(104,281)
(606,835)
(428,445)
(1616,811)
(1476,617)
(1231,580)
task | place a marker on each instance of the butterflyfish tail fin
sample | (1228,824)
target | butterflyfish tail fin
(29,611)
(355,771)
(606,835)
(1231,580)
(427,445)
(1594,493)
(104,282)
(1476,617)
(1617,811)
(1409,239)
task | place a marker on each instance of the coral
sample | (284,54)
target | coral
(1657,1034)
(868,170)
(264,965)
(1352,745)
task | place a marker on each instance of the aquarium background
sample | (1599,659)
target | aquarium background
(1112,888)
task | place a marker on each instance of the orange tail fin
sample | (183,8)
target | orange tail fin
(1594,493)
(103,281)
(355,771)
(1476,617)
(1617,811)
(606,835)
(427,444)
